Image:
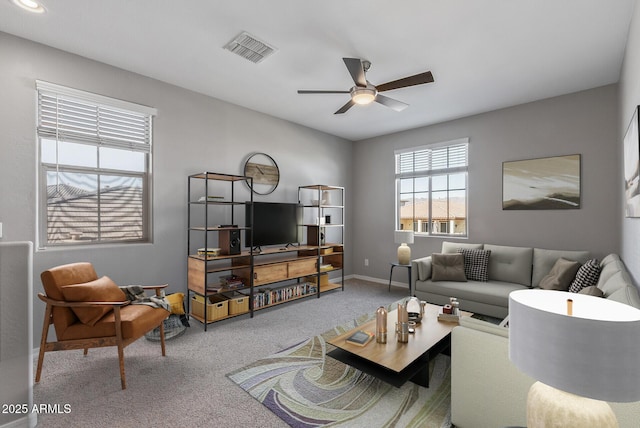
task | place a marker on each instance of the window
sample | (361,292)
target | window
(431,188)
(95,157)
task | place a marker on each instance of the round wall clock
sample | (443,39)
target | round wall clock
(264,171)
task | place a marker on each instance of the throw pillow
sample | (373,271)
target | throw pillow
(447,267)
(560,276)
(587,275)
(176,301)
(592,290)
(100,290)
(476,264)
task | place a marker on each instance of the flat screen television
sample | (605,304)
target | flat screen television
(274,223)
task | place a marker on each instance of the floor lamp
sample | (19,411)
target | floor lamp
(582,350)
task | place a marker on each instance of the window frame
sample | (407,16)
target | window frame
(54,130)
(429,173)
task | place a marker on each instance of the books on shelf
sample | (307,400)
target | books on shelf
(209,252)
(270,296)
(360,338)
(231,281)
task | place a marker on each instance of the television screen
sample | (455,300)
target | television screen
(274,223)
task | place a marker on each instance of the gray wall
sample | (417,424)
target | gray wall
(582,123)
(629,99)
(192,133)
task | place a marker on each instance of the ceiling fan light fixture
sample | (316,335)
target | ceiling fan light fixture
(363,96)
(30,5)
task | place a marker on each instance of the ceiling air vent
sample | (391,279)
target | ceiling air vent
(248,47)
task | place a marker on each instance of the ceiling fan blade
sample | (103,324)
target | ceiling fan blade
(304,91)
(345,107)
(391,103)
(417,79)
(354,65)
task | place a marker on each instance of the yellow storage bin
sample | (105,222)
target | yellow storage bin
(215,311)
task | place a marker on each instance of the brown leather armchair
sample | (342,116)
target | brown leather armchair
(91,312)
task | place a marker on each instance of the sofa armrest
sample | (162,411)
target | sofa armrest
(421,268)
(487,390)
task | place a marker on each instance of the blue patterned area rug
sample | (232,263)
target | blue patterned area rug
(305,388)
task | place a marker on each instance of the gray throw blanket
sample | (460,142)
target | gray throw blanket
(135,294)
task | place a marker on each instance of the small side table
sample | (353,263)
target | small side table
(393,265)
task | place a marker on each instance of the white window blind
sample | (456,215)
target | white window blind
(423,160)
(63,115)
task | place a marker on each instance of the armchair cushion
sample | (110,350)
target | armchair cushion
(136,320)
(99,290)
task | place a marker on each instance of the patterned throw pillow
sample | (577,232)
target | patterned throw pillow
(587,276)
(476,264)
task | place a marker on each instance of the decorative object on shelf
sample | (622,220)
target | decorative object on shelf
(541,184)
(264,171)
(404,237)
(381,325)
(589,356)
(632,167)
(326,197)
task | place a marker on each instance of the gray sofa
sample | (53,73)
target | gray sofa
(488,391)
(510,269)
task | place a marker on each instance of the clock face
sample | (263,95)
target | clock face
(264,171)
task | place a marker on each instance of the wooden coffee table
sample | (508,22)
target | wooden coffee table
(395,362)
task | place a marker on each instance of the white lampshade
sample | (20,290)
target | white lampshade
(593,353)
(403,236)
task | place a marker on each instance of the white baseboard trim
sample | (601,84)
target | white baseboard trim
(381,281)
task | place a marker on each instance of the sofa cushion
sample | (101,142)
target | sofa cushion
(493,293)
(561,275)
(452,247)
(543,261)
(627,295)
(618,280)
(587,276)
(608,259)
(100,290)
(476,264)
(510,264)
(609,270)
(591,291)
(447,267)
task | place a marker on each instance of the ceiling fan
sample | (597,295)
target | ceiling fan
(364,92)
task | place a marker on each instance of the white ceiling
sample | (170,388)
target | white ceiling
(484,54)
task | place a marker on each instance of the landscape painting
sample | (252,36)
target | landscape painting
(631,166)
(541,184)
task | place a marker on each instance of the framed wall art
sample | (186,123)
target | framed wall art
(631,166)
(551,183)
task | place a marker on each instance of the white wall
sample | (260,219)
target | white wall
(583,123)
(192,133)
(630,98)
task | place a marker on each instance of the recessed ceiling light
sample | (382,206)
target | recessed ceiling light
(30,5)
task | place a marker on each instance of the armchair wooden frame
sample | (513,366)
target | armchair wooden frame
(97,342)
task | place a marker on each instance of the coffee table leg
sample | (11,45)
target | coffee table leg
(422,376)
